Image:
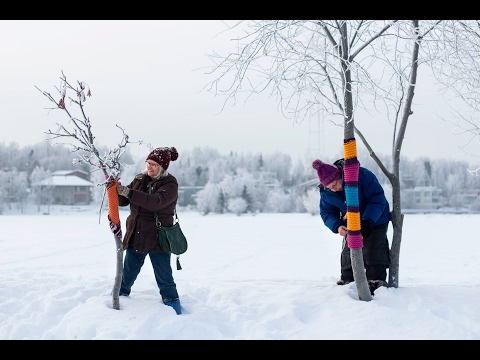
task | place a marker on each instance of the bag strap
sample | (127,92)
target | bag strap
(179,267)
(155,213)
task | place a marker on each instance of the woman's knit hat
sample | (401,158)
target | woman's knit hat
(326,173)
(163,156)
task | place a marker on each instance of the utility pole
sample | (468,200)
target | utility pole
(316,134)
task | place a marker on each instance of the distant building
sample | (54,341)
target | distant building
(68,187)
(469,198)
(80,173)
(424,197)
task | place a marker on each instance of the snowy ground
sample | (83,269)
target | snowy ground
(269,276)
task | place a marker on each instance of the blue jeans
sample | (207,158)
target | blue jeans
(161,268)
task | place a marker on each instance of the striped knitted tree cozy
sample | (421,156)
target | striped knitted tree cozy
(350,172)
(113,213)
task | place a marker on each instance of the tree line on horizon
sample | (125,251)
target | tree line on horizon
(232,183)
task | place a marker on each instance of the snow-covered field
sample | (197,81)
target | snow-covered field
(268,276)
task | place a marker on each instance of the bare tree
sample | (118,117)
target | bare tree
(79,137)
(469,125)
(347,69)
(42,186)
(456,67)
(3,190)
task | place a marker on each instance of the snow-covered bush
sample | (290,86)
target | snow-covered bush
(278,201)
(208,199)
(237,205)
(311,201)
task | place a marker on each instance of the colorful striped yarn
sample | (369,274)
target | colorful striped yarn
(351,168)
(113,213)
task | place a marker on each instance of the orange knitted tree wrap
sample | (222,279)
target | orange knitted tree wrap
(113,215)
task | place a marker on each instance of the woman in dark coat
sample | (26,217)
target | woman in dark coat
(374,216)
(141,237)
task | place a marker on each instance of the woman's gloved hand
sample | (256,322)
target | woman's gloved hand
(122,190)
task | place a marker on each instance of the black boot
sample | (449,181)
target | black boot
(375,284)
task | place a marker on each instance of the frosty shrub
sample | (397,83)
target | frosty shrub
(3,191)
(208,199)
(41,186)
(237,205)
(278,201)
(311,201)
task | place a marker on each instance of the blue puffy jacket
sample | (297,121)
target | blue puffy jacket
(371,198)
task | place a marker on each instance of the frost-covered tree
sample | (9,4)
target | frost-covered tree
(42,192)
(77,134)
(15,189)
(350,70)
(22,190)
(237,205)
(207,200)
(310,201)
(241,185)
(3,192)
(222,202)
(194,168)
(278,200)
(259,192)
(248,199)
(231,186)
(279,164)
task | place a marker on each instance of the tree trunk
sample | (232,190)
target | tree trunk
(118,275)
(356,254)
(114,219)
(396,215)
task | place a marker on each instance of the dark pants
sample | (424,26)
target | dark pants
(161,268)
(376,256)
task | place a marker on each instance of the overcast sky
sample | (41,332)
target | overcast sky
(144,77)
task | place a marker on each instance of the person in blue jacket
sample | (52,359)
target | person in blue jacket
(374,218)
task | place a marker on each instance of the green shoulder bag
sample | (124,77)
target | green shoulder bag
(171,238)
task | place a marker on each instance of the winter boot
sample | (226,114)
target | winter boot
(343,282)
(375,284)
(175,304)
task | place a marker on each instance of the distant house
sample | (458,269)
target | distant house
(424,197)
(68,187)
(80,173)
(469,197)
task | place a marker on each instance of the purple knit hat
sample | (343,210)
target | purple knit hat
(163,156)
(326,173)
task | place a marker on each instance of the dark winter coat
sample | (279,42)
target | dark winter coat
(373,204)
(141,230)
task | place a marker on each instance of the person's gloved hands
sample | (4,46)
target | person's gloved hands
(366,228)
(342,230)
(116,230)
(122,190)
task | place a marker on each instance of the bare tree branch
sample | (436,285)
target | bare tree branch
(79,136)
